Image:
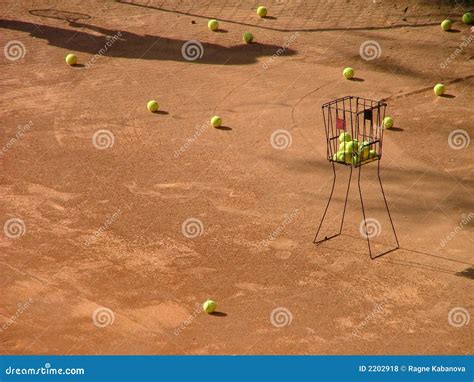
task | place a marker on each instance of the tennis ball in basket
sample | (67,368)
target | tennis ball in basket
(71,59)
(446,25)
(439,89)
(341,156)
(364,152)
(348,157)
(262,11)
(372,154)
(345,137)
(152,106)
(349,146)
(248,37)
(348,73)
(209,306)
(213,24)
(356,160)
(216,121)
(467,18)
(388,122)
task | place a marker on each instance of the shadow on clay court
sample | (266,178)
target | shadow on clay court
(145,47)
(396,26)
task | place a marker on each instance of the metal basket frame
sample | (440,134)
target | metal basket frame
(365,119)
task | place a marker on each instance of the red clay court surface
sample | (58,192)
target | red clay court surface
(117,221)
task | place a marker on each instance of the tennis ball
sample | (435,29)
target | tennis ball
(213,24)
(216,121)
(349,146)
(467,18)
(355,160)
(71,59)
(341,156)
(372,154)
(248,37)
(345,137)
(152,106)
(348,73)
(262,11)
(446,25)
(439,89)
(348,157)
(364,153)
(209,306)
(388,122)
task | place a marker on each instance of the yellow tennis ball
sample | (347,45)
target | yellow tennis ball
(348,73)
(71,59)
(152,106)
(439,89)
(345,137)
(213,24)
(216,121)
(209,306)
(467,18)
(446,25)
(388,122)
(262,11)
(248,37)
(372,154)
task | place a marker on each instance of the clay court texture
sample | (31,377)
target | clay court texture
(117,223)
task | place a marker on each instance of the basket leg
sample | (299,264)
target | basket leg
(363,213)
(345,202)
(386,206)
(315,241)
